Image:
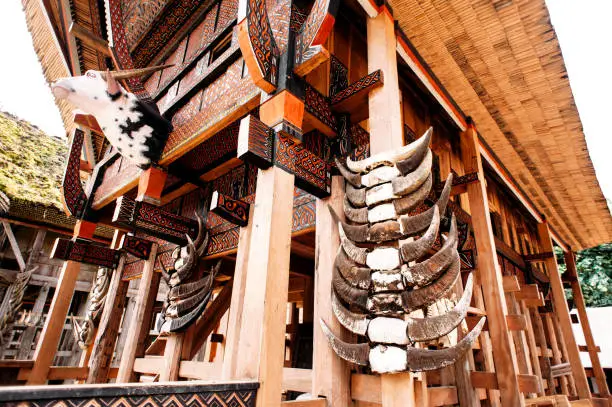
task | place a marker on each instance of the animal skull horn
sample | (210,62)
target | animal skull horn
(132,73)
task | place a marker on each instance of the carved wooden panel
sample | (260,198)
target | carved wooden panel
(255,142)
(233,210)
(136,246)
(72,189)
(315,30)
(84,251)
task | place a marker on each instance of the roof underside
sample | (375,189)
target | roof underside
(502,64)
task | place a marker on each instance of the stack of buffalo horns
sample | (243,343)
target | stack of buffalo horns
(376,288)
(186,300)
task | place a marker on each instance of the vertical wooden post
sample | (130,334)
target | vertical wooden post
(562,313)
(56,318)
(331,375)
(554,344)
(489,275)
(384,103)
(108,328)
(600,376)
(536,318)
(172,358)
(531,342)
(147,290)
(236,309)
(261,348)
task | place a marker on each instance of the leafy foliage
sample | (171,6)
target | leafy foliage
(31,162)
(595,274)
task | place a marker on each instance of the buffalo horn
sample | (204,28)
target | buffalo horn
(412,181)
(189,262)
(407,203)
(414,224)
(357,353)
(356,233)
(357,254)
(354,322)
(425,272)
(355,275)
(350,177)
(357,215)
(132,73)
(428,329)
(410,251)
(348,293)
(425,359)
(389,157)
(422,297)
(408,165)
(357,196)
(202,238)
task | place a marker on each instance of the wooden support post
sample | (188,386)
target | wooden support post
(531,342)
(330,374)
(261,348)
(54,324)
(139,325)
(384,102)
(489,275)
(600,376)
(14,245)
(236,310)
(172,358)
(562,313)
(554,344)
(108,328)
(536,318)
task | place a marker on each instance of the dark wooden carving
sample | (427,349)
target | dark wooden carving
(232,210)
(312,174)
(153,395)
(136,246)
(153,220)
(72,189)
(357,91)
(338,76)
(259,47)
(255,142)
(314,31)
(320,108)
(84,251)
(288,130)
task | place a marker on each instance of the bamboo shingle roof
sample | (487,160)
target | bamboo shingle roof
(502,64)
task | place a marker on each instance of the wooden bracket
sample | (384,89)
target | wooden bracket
(136,246)
(258,145)
(318,114)
(233,210)
(488,380)
(153,220)
(354,98)
(151,185)
(84,251)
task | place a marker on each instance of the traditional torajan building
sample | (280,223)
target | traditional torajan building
(280,111)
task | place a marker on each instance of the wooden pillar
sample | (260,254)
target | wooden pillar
(556,352)
(236,310)
(536,318)
(489,275)
(562,313)
(261,348)
(331,376)
(108,328)
(172,358)
(384,103)
(531,342)
(600,376)
(56,317)
(139,325)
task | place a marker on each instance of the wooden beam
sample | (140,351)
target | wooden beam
(30,332)
(236,308)
(147,291)
(172,358)
(305,403)
(562,313)
(90,39)
(297,380)
(262,334)
(14,245)
(489,275)
(331,374)
(54,324)
(511,284)
(591,347)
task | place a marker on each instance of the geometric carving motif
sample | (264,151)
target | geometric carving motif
(255,142)
(315,30)
(153,220)
(365,84)
(84,251)
(338,76)
(319,106)
(136,246)
(72,189)
(232,210)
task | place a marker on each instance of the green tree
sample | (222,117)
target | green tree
(594,273)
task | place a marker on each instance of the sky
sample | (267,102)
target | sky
(583,28)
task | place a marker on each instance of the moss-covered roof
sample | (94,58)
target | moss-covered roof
(31,162)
